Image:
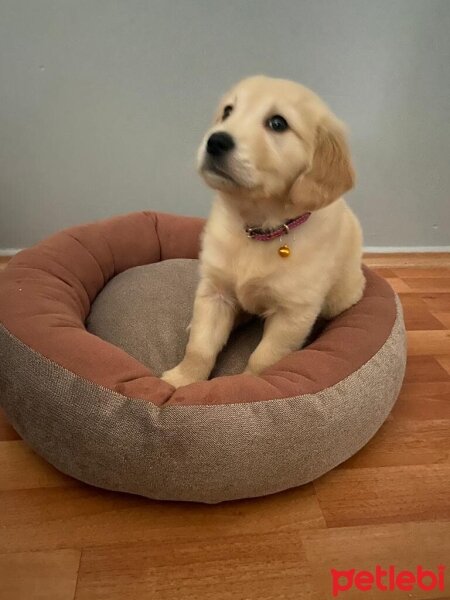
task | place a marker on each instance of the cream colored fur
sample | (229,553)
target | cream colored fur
(270,177)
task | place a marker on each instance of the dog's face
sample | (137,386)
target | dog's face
(273,138)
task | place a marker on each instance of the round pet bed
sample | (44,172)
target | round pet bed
(93,408)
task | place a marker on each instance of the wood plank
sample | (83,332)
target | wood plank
(442,317)
(385,273)
(424,368)
(81,517)
(426,390)
(420,272)
(4,260)
(405,546)
(444,361)
(21,469)
(7,432)
(399,285)
(405,442)
(250,566)
(430,285)
(417,315)
(436,302)
(423,401)
(381,495)
(426,343)
(39,575)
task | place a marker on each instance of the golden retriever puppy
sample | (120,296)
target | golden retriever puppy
(280,241)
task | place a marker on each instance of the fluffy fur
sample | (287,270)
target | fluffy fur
(267,178)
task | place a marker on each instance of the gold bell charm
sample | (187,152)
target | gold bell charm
(284,251)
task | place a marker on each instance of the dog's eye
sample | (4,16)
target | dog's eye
(227,112)
(277,123)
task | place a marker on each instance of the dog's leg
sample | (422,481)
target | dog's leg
(284,332)
(212,321)
(346,292)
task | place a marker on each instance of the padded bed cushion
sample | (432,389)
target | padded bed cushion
(100,414)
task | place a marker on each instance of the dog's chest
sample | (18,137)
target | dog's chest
(248,274)
(256,295)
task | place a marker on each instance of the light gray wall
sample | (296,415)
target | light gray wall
(103,103)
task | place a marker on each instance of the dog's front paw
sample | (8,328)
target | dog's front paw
(257,363)
(178,376)
(253,369)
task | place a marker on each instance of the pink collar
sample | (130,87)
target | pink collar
(265,235)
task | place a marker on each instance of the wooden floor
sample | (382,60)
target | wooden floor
(388,505)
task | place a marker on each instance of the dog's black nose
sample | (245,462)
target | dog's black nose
(219,143)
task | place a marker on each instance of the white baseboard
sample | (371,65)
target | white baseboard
(406,249)
(9,251)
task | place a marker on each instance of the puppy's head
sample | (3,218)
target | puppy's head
(273,138)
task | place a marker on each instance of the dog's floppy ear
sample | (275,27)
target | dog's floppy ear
(330,173)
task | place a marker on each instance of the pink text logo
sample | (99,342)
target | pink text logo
(388,579)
